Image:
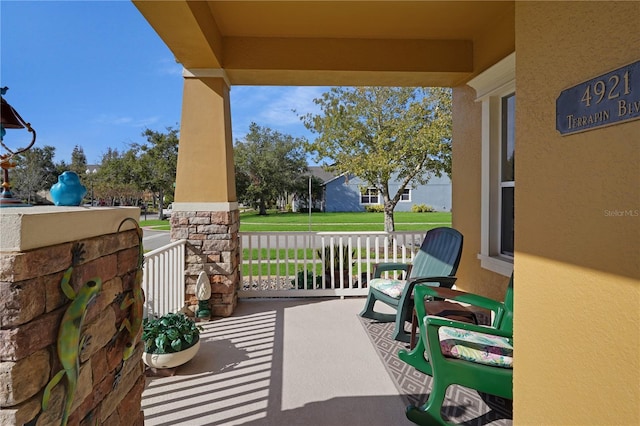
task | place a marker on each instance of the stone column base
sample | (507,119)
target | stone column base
(212,247)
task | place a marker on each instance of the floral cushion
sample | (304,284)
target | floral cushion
(392,288)
(476,347)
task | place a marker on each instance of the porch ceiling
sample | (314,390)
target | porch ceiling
(335,42)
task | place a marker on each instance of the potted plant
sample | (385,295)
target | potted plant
(340,258)
(170,340)
(306,281)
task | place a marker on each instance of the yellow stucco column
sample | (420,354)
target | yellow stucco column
(205,211)
(205,157)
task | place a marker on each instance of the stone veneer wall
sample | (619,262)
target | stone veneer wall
(32,305)
(213,247)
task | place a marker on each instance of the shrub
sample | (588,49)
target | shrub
(422,208)
(374,208)
(308,280)
(337,255)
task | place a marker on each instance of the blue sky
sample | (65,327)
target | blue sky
(95,74)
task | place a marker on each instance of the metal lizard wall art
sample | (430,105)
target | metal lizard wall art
(69,335)
(133,324)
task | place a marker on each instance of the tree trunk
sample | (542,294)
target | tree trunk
(389,225)
(263,208)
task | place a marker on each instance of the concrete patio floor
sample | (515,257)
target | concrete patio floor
(280,362)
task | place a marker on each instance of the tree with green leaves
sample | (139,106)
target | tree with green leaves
(35,171)
(384,133)
(157,163)
(118,178)
(268,165)
(78,161)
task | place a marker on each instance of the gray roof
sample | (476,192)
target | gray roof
(321,173)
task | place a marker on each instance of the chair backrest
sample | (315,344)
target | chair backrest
(504,321)
(439,255)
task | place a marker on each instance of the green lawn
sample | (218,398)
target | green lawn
(156,224)
(338,222)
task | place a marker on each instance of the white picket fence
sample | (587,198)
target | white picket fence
(311,264)
(163,279)
(285,264)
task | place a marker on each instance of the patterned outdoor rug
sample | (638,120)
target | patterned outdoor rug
(462,405)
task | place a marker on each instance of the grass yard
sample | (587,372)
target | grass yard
(338,222)
(160,225)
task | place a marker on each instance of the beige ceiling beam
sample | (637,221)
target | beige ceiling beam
(303,61)
(308,54)
(344,78)
(187,28)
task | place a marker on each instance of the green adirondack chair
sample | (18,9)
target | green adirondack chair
(435,264)
(487,369)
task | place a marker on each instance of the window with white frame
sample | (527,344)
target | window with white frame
(369,196)
(507,174)
(495,89)
(406,195)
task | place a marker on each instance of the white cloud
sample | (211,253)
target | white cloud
(276,107)
(292,103)
(113,120)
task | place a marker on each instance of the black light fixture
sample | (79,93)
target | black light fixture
(10,119)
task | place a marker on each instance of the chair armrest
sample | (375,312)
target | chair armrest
(459,296)
(446,282)
(407,299)
(379,268)
(444,322)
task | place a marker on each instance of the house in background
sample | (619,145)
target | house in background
(301,204)
(348,193)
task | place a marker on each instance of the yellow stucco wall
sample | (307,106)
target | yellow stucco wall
(466,175)
(577,268)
